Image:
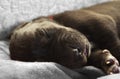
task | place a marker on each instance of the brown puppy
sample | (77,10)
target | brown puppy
(99,23)
(45,40)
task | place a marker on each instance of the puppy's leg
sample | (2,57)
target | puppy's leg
(104,60)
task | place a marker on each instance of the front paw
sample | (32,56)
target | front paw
(110,64)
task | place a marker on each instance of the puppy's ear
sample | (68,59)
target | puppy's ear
(41,44)
(42,37)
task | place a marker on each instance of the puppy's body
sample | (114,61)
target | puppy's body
(52,42)
(100,23)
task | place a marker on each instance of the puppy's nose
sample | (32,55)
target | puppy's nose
(115,70)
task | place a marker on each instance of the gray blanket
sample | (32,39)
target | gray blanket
(12,13)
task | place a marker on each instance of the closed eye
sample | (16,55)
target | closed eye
(77,51)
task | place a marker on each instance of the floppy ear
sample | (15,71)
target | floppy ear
(41,37)
(41,44)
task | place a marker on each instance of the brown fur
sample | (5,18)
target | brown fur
(100,24)
(45,40)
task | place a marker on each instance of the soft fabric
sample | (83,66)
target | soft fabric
(46,70)
(14,12)
(114,76)
(4,50)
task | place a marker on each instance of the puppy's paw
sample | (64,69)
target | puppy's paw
(110,64)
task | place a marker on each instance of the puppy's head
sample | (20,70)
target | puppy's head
(44,40)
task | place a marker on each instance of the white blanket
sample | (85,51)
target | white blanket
(12,13)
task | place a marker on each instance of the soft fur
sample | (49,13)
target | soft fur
(46,40)
(99,23)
